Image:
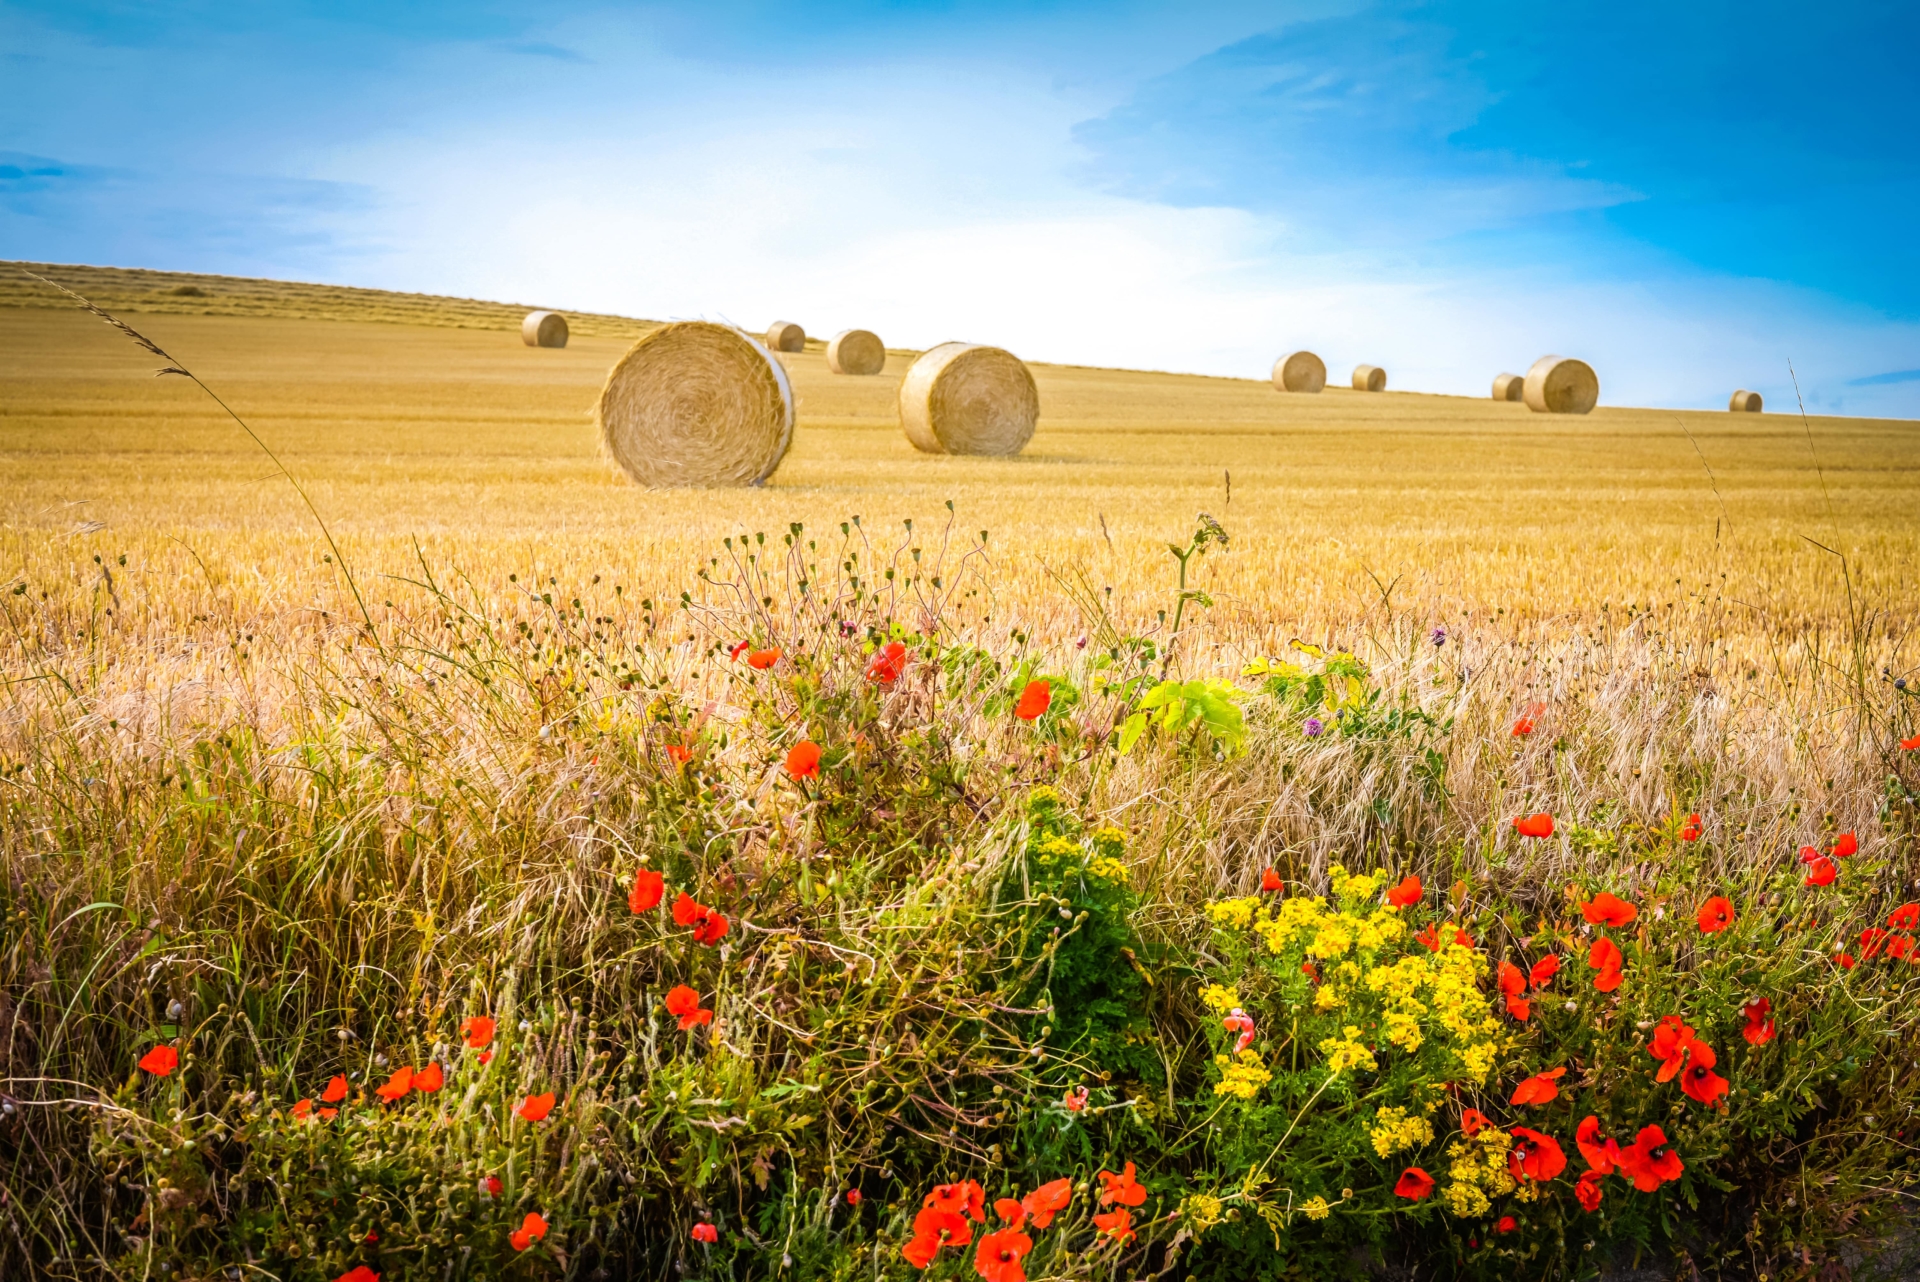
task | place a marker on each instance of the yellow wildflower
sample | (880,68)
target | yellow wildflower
(1316,1208)
(1235,914)
(1220,998)
(1242,1076)
(1393,1131)
(1347,1052)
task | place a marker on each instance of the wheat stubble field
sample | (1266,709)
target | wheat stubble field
(246,820)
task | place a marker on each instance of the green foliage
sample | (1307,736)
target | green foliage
(1175,708)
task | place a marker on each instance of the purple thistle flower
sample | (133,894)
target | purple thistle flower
(1439,636)
(1313,727)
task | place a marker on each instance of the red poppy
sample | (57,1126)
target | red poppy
(478,1030)
(531,1230)
(1074,1100)
(1844,961)
(1121,1188)
(396,1086)
(1905,917)
(965,1198)
(1605,955)
(803,760)
(1269,881)
(485,1058)
(1649,1163)
(920,1251)
(1505,1224)
(1544,970)
(712,929)
(1911,745)
(1587,1191)
(1513,982)
(358,1273)
(337,1088)
(1699,1080)
(1822,872)
(1669,1045)
(999,1255)
(160,1061)
(1238,1021)
(1010,1210)
(1607,909)
(1899,946)
(1872,940)
(1049,1200)
(491,1186)
(536,1107)
(685,1003)
(1116,1224)
(887,664)
(934,1228)
(679,754)
(1033,700)
(1472,1122)
(1539,1089)
(687,910)
(649,888)
(1715,915)
(1692,830)
(1599,1152)
(854,1197)
(704,1232)
(1414,1184)
(1759,1029)
(1846,847)
(303,1110)
(764,659)
(429,1080)
(1523,727)
(1540,825)
(737,649)
(1535,1156)
(1808,854)
(1406,894)
(1434,937)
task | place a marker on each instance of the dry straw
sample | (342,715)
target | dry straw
(1744,402)
(1509,387)
(544,329)
(696,403)
(785,336)
(961,398)
(1561,385)
(1299,372)
(856,351)
(1369,378)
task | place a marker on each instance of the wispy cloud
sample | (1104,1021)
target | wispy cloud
(1886,380)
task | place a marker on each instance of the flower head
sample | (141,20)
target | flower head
(1047,1201)
(429,1079)
(649,888)
(1033,700)
(1544,970)
(1715,915)
(1116,1224)
(704,1232)
(337,1088)
(358,1273)
(1669,1044)
(1691,830)
(396,1086)
(964,1198)
(1600,1153)
(1438,636)
(1000,1256)
(1472,1122)
(1588,1192)
(1649,1162)
(1312,727)
(1607,909)
(534,1108)
(1698,1079)
(684,1003)
(1905,917)
(887,664)
(1759,1029)
(160,1061)
(737,649)
(1074,1101)
(803,760)
(1540,1088)
(764,659)
(1540,825)
(1406,894)
(1414,1184)
(1121,1188)
(1846,847)
(1822,871)
(1269,881)
(531,1230)
(477,1030)
(1534,1156)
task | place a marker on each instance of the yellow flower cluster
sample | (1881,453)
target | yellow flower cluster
(1220,998)
(1234,914)
(1056,847)
(1346,1052)
(1242,1076)
(1316,1208)
(1477,1172)
(1200,1211)
(1107,869)
(1393,1130)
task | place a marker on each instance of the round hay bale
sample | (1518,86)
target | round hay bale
(544,329)
(1744,402)
(785,336)
(694,403)
(856,351)
(1369,378)
(1509,387)
(962,398)
(1299,372)
(1561,385)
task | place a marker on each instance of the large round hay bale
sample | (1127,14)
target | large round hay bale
(1744,402)
(544,329)
(785,336)
(1369,378)
(856,351)
(962,398)
(694,403)
(1299,372)
(1561,385)
(1509,387)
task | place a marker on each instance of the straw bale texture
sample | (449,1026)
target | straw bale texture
(1299,372)
(696,403)
(961,398)
(1369,378)
(1509,387)
(785,336)
(1744,402)
(1561,385)
(544,329)
(856,351)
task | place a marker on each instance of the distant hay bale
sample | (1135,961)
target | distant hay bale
(1299,372)
(856,351)
(694,403)
(1561,385)
(785,336)
(961,398)
(1509,387)
(1744,402)
(544,329)
(1369,378)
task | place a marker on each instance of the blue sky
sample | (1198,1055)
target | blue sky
(1687,196)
